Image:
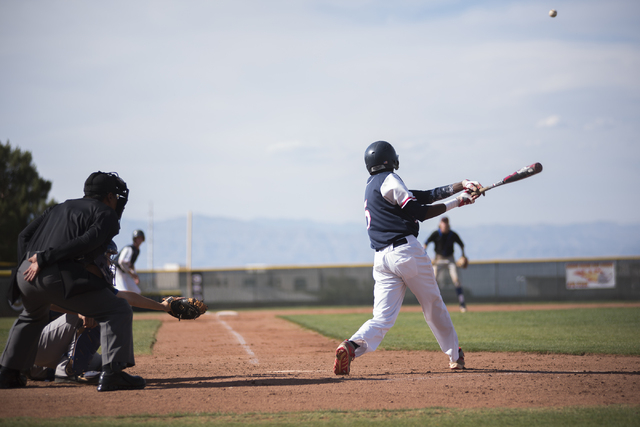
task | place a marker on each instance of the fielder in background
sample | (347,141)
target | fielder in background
(444,238)
(126,277)
(393,213)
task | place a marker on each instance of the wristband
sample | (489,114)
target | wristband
(453,203)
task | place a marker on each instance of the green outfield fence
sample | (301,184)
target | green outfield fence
(484,281)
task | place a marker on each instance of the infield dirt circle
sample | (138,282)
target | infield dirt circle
(255,362)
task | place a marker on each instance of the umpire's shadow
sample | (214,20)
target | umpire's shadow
(228,381)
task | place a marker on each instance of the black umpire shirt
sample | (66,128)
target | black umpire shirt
(69,235)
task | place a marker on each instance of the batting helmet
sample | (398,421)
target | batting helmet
(138,233)
(381,156)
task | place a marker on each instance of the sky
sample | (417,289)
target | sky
(263,109)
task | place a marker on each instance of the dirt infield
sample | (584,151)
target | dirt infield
(255,362)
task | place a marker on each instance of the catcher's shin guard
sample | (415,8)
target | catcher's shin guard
(345,353)
(82,350)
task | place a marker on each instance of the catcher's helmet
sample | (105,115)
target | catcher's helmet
(381,156)
(138,233)
(112,248)
(100,184)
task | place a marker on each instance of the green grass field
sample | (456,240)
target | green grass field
(574,331)
(442,417)
(144,333)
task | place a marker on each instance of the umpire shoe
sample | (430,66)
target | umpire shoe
(458,364)
(12,378)
(118,380)
(345,353)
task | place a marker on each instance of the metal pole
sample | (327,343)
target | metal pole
(150,238)
(189,228)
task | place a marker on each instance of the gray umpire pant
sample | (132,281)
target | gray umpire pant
(112,313)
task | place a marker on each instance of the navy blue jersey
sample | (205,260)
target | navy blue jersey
(444,242)
(384,198)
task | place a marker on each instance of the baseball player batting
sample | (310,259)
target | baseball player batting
(393,213)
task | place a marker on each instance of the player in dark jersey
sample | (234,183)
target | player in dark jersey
(393,214)
(444,238)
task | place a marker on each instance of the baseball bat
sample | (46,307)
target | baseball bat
(523,173)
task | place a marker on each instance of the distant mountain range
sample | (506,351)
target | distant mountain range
(227,243)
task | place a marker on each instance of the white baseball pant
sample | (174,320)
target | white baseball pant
(450,263)
(394,270)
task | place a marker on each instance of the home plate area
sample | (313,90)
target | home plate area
(253,361)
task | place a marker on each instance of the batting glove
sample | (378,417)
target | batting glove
(473,187)
(465,199)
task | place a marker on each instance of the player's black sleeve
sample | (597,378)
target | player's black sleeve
(426,197)
(27,233)
(457,239)
(432,238)
(422,212)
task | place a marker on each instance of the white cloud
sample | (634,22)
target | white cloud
(549,122)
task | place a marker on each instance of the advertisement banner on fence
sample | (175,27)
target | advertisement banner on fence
(593,275)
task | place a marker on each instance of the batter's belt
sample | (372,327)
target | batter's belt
(399,242)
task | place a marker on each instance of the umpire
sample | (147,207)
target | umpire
(53,252)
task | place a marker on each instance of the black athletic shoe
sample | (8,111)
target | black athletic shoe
(12,378)
(120,381)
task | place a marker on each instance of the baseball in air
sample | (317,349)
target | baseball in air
(553,13)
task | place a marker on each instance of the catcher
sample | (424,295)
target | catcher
(444,239)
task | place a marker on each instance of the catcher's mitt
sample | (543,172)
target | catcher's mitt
(186,308)
(462,262)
